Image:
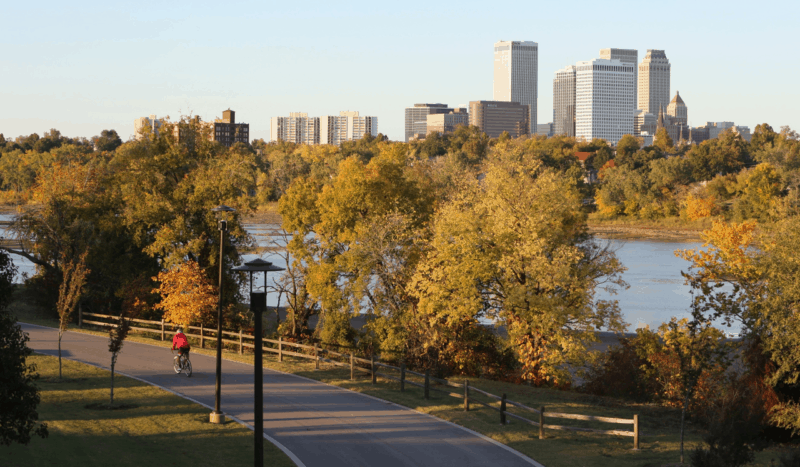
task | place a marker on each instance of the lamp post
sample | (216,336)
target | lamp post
(217,416)
(258,304)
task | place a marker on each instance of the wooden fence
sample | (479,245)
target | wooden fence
(315,352)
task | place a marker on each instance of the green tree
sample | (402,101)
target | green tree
(626,147)
(662,141)
(19,395)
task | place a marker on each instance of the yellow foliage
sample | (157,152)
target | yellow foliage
(187,294)
(727,255)
(699,208)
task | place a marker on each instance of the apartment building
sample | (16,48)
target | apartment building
(227,131)
(347,126)
(298,128)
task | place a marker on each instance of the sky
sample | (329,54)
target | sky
(82,67)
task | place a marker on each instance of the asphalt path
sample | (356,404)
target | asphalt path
(319,424)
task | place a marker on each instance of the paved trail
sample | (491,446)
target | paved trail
(320,424)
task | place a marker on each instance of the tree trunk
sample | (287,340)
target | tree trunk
(683,419)
(113,362)
(60,333)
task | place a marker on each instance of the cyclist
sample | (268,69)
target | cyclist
(180,342)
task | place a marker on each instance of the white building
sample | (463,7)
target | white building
(654,73)
(604,106)
(151,122)
(564,101)
(516,72)
(628,57)
(298,128)
(347,126)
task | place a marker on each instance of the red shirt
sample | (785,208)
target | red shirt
(179,341)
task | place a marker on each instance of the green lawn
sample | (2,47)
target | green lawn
(162,430)
(658,425)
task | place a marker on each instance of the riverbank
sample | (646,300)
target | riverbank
(668,229)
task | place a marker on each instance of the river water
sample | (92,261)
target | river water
(657,291)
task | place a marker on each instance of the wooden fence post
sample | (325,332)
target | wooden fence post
(202,337)
(503,410)
(80,315)
(316,357)
(352,367)
(162,329)
(240,342)
(427,384)
(402,377)
(541,422)
(636,432)
(373,368)
(280,348)
(466,395)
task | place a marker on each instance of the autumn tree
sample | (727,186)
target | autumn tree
(513,248)
(663,141)
(187,294)
(73,278)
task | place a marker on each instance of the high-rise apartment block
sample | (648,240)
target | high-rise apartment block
(496,117)
(297,128)
(604,99)
(564,101)
(147,125)
(447,123)
(516,72)
(654,73)
(227,131)
(628,57)
(347,126)
(417,118)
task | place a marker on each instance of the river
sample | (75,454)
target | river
(657,291)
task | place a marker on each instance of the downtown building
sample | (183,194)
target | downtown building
(417,119)
(496,117)
(654,82)
(604,104)
(516,71)
(628,57)
(297,128)
(347,126)
(446,123)
(564,101)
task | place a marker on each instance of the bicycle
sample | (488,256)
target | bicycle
(182,363)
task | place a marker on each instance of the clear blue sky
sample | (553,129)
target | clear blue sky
(85,66)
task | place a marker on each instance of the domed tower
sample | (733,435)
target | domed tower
(677,110)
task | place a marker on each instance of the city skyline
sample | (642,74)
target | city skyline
(98,66)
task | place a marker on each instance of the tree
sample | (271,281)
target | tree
(19,395)
(72,281)
(627,146)
(108,140)
(662,140)
(513,247)
(187,294)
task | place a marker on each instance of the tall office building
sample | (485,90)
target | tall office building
(417,118)
(564,101)
(496,117)
(516,74)
(347,126)
(654,74)
(677,110)
(628,57)
(604,100)
(298,128)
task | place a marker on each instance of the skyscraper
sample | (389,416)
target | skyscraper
(516,72)
(604,100)
(678,111)
(298,128)
(654,74)
(629,57)
(564,101)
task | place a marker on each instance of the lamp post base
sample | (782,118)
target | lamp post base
(218,418)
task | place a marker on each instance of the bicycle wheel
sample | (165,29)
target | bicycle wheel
(187,365)
(176,364)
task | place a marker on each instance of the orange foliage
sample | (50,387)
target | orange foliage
(727,255)
(65,179)
(187,294)
(699,208)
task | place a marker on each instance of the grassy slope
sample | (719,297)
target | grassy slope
(163,430)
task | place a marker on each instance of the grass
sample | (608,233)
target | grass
(160,429)
(659,426)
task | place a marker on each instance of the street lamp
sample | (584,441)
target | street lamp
(258,304)
(221,210)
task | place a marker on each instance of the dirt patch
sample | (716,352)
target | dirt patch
(630,233)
